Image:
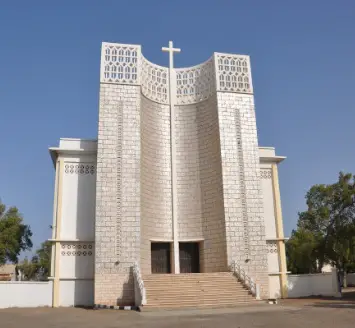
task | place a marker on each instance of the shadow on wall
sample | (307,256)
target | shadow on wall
(214,251)
(127,291)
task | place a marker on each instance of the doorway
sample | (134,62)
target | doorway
(189,257)
(160,257)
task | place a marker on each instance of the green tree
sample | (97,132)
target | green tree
(15,236)
(44,258)
(327,227)
(340,247)
(40,265)
(28,269)
(301,252)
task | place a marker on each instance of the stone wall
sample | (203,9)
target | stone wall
(156,216)
(117,226)
(188,180)
(245,229)
(199,181)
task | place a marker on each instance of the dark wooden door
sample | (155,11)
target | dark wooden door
(160,253)
(189,257)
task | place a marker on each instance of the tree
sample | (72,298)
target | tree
(329,224)
(39,266)
(27,269)
(301,252)
(15,236)
(44,258)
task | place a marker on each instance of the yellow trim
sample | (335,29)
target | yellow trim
(279,231)
(58,222)
(54,215)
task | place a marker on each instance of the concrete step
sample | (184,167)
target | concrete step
(165,302)
(221,273)
(195,283)
(180,277)
(178,287)
(233,285)
(217,289)
(231,282)
(197,295)
(197,307)
(204,301)
(192,276)
(188,275)
(194,291)
(197,304)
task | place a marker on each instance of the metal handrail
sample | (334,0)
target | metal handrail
(138,282)
(246,280)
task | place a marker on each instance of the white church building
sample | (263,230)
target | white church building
(174,204)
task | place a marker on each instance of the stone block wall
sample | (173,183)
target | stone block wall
(199,181)
(156,216)
(245,230)
(188,181)
(117,226)
(214,247)
(218,185)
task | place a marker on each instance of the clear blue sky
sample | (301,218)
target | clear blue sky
(302,55)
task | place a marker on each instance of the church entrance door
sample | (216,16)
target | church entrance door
(160,254)
(189,257)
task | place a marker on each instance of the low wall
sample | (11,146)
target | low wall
(321,284)
(25,294)
(350,278)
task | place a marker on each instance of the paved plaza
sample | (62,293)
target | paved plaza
(290,314)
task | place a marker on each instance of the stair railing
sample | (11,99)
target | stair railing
(139,290)
(246,280)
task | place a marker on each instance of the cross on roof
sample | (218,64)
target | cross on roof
(171,51)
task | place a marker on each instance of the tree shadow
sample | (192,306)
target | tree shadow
(334,305)
(348,293)
(346,301)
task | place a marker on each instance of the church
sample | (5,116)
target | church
(175,204)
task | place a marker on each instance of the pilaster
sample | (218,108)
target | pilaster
(279,231)
(58,224)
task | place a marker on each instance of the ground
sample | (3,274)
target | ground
(315,313)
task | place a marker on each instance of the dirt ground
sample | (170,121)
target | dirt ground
(314,313)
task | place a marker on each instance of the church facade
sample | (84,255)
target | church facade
(175,183)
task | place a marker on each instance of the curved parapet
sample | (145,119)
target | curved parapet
(196,83)
(155,81)
(125,64)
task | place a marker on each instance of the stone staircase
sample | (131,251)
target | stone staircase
(218,289)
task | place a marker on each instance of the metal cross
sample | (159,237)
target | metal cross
(171,51)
